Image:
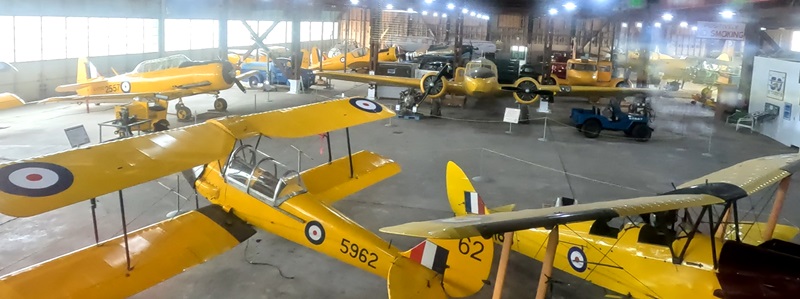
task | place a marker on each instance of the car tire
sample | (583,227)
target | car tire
(591,128)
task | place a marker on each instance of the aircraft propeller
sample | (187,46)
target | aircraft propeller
(526,91)
(433,84)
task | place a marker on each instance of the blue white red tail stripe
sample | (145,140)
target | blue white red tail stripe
(430,255)
(473,203)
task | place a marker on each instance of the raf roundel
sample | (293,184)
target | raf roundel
(341,60)
(366,105)
(577,259)
(35,179)
(315,233)
(125,86)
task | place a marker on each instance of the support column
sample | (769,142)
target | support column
(752,43)
(547,61)
(447,29)
(162,29)
(375,24)
(223,29)
(459,38)
(297,55)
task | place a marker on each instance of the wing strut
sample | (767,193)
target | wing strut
(124,229)
(328,139)
(93,201)
(349,152)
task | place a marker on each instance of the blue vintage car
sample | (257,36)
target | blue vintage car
(276,73)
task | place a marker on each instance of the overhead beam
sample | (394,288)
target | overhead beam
(258,40)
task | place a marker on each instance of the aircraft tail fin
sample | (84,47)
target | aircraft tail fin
(305,62)
(463,197)
(460,267)
(316,58)
(86,71)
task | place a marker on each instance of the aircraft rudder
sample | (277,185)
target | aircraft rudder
(86,71)
(464,265)
(461,194)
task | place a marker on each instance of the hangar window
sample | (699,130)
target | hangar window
(77,37)
(795,41)
(150,33)
(116,28)
(7,36)
(98,33)
(28,38)
(134,36)
(305,31)
(54,33)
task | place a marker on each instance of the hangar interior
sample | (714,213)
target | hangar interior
(399,149)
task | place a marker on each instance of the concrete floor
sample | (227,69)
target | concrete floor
(516,167)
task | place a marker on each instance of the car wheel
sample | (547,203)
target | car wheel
(591,128)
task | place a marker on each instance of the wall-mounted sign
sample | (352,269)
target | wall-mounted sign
(776,85)
(731,31)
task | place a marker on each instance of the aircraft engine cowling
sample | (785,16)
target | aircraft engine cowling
(228,72)
(527,91)
(433,84)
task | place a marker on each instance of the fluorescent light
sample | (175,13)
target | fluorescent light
(479,16)
(410,10)
(684,25)
(451,6)
(424,12)
(728,14)
(570,6)
(485,17)
(435,14)
(472,14)
(429,1)
(763,28)
(657,24)
(464,11)
(624,25)
(389,6)
(444,15)
(694,28)
(553,11)
(354,2)
(638,24)
(667,17)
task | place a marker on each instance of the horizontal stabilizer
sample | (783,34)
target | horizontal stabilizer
(77,86)
(158,252)
(331,182)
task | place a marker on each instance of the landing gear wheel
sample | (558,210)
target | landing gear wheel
(161,125)
(591,128)
(220,104)
(622,84)
(184,114)
(641,132)
(253,81)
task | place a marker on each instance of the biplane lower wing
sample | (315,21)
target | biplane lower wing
(157,252)
(729,184)
(37,185)
(332,182)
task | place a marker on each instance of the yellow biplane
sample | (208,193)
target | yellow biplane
(156,80)
(7,99)
(247,189)
(479,79)
(662,255)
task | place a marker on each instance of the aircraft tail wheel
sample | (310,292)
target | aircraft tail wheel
(220,104)
(433,85)
(184,114)
(526,92)
(161,125)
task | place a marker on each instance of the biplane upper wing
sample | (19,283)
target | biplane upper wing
(40,184)
(732,183)
(157,252)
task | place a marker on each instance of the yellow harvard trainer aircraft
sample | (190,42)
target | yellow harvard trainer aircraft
(247,189)
(479,79)
(356,59)
(166,78)
(669,257)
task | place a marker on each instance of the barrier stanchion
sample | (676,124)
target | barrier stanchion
(544,131)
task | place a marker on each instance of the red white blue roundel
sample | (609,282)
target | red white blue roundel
(125,86)
(577,259)
(315,233)
(35,179)
(341,59)
(366,105)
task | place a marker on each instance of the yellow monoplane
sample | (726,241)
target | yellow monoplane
(670,252)
(247,189)
(156,80)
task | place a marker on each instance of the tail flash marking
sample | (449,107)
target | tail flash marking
(430,255)
(474,203)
